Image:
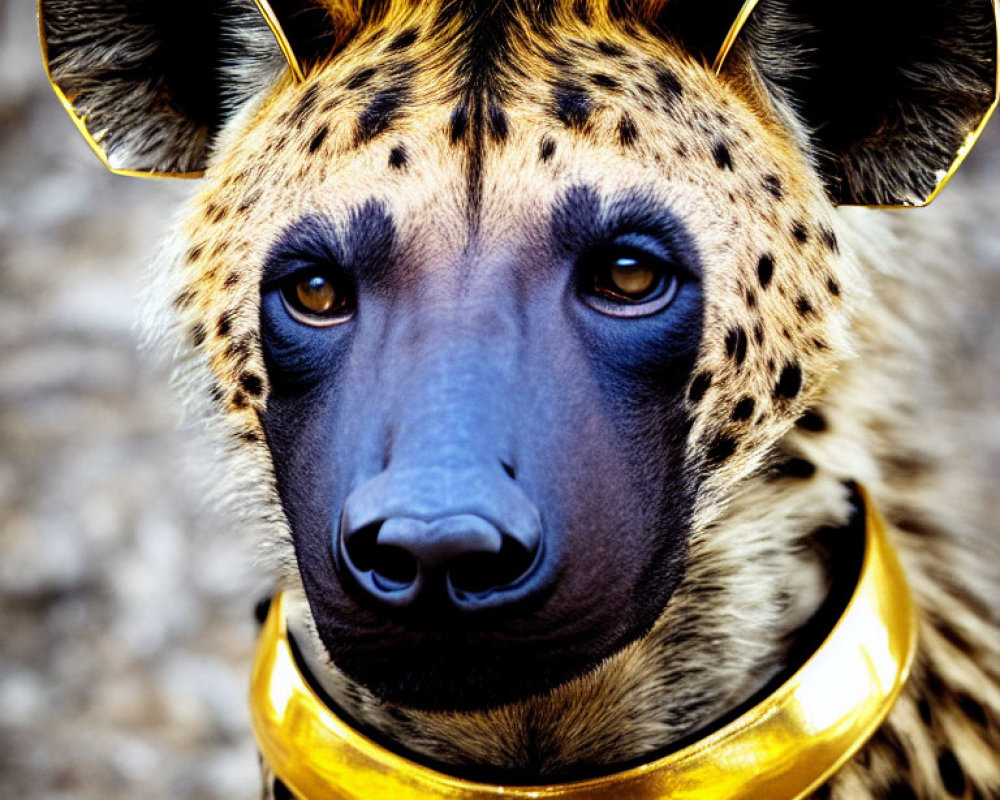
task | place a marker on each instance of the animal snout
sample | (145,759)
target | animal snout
(405,546)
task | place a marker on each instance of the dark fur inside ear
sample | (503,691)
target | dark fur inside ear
(317,29)
(701,31)
(888,90)
(155,81)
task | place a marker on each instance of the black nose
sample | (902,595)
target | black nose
(405,545)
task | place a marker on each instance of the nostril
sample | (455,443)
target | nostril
(391,567)
(509,469)
(479,573)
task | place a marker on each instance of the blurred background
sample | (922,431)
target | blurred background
(126,603)
(126,625)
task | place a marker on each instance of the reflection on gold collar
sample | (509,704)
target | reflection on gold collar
(781,749)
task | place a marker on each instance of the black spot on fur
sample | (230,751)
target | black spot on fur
(627,132)
(261,609)
(497,121)
(198,334)
(670,86)
(318,139)
(380,112)
(572,106)
(744,409)
(736,345)
(404,40)
(750,296)
(790,381)
(546,149)
(699,386)
(239,349)
(773,184)
(800,233)
(610,49)
(811,421)
(225,323)
(803,306)
(916,526)
(955,639)
(252,384)
(973,710)
(398,157)
(765,270)
(758,333)
(834,287)
(240,400)
(829,239)
(924,709)
(281,792)
(797,468)
(184,299)
(250,437)
(951,773)
(360,77)
(458,124)
(723,158)
(900,791)
(307,102)
(721,449)
(604,81)
(900,759)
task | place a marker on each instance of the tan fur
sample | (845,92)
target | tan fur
(849,323)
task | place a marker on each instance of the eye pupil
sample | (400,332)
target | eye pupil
(631,278)
(319,298)
(635,276)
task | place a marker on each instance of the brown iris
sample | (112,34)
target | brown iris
(631,279)
(626,280)
(316,299)
(316,294)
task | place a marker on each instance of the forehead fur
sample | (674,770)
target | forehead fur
(464,163)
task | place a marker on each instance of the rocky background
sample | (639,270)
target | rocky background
(126,604)
(126,626)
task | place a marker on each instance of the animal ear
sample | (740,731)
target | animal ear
(891,94)
(150,84)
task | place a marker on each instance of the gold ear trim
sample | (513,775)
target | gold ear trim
(279,36)
(81,122)
(944,175)
(734,31)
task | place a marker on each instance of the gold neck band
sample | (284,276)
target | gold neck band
(782,748)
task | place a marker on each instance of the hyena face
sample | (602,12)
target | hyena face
(506,308)
(479,317)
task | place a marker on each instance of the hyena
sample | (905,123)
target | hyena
(551,363)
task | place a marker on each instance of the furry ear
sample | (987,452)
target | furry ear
(891,94)
(149,84)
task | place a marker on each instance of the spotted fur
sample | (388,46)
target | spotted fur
(826,356)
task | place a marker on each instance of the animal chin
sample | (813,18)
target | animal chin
(470,665)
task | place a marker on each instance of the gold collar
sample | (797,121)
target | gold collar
(782,748)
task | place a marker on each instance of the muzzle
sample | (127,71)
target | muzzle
(782,748)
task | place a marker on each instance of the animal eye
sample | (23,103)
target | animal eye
(626,281)
(317,298)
